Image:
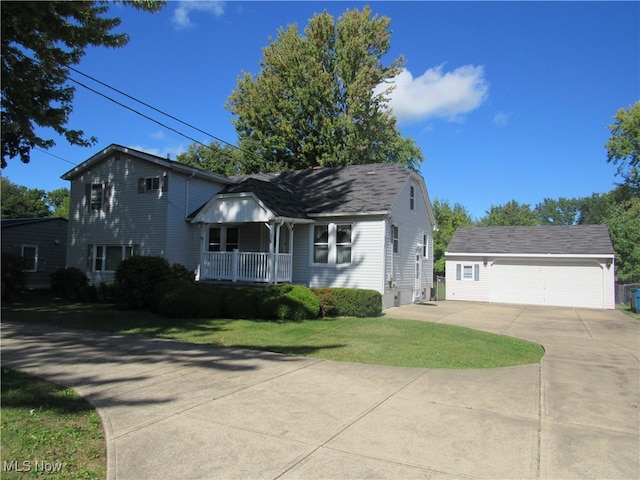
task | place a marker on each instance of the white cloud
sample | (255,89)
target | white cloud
(501,119)
(157,135)
(171,150)
(437,94)
(181,19)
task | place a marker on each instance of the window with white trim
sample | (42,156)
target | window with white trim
(30,255)
(468,272)
(224,239)
(395,238)
(412,197)
(98,197)
(153,184)
(106,258)
(332,243)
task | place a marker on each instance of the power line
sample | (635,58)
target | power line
(151,107)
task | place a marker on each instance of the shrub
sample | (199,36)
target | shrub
(289,302)
(350,302)
(138,277)
(189,300)
(108,292)
(243,302)
(72,284)
(14,276)
(180,272)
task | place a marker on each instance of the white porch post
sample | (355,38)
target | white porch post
(271,247)
(234,266)
(201,255)
(277,254)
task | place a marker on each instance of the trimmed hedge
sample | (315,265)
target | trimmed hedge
(289,302)
(281,302)
(192,301)
(349,302)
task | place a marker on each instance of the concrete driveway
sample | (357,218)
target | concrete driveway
(173,410)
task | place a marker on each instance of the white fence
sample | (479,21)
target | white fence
(236,266)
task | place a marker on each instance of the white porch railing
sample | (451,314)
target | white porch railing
(236,266)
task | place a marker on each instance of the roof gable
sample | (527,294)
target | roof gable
(540,240)
(115,150)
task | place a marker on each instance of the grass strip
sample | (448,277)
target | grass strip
(48,431)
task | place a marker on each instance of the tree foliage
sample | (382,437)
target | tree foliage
(561,211)
(19,201)
(313,101)
(510,214)
(448,220)
(40,40)
(217,158)
(623,148)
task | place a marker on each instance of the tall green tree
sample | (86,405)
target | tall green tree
(58,202)
(313,101)
(510,214)
(217,158)
(561,211)
(448,219)
(623,147)
(21,202)
(40,41)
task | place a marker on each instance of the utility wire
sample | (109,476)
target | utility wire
(138,112)
(151,107)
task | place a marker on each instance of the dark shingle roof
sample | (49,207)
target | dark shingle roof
(12,222)
(339,190)
(561,239)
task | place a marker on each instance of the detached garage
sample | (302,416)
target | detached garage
(570,266)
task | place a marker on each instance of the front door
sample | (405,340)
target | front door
(417,287)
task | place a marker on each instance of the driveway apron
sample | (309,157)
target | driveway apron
(174,410)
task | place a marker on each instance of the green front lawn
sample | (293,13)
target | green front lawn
(48,431)
(380,340)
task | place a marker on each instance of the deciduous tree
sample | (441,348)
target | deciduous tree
(623,148)
(510,214)
(40,40)
(448,219)
(313,101)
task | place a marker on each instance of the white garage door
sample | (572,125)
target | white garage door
(570,284)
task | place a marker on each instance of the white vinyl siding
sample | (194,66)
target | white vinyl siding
(367,260)
(155,221)
(413,226)
(570,282)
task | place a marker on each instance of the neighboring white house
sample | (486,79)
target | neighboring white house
(569,266)
(362,226)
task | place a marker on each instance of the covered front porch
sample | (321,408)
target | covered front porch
(244,241)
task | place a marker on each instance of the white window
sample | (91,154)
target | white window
(106,258)
(468,272)
(30,255)
(395,238)
(223,239)
(332,243)
(153,184)
(97,196)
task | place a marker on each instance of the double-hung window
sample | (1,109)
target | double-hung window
(153,184)
(468,272)
(332,243)
(106,258)
(30,255)
(98,197)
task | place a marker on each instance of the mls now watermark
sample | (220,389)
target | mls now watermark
(31,466)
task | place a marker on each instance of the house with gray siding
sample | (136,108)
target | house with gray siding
(361,226)
(42,242)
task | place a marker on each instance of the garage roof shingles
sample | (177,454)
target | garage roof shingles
(552,239)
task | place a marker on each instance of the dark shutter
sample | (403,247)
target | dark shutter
(165,182)
(141,185)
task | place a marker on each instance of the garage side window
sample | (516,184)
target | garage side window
(468,272)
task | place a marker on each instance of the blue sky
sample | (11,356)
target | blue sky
(508,100)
